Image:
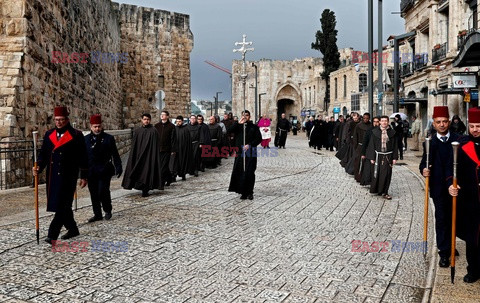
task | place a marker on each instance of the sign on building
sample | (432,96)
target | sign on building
(464,80)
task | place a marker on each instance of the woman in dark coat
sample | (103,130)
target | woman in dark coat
(457,126)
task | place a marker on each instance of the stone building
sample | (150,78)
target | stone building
(293,87)
(349,84)
(441,27)
(93,56)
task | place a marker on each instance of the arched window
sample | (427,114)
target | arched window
(362,83)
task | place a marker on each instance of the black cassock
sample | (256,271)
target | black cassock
(383,159)
(143,166)
(242,182)
(350,148)
(358,135)
(196,152)
(367,166)
(283,127)
(182,161)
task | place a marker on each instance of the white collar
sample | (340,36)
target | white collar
(440,136)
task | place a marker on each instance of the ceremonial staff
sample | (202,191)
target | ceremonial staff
(75,195)
(454,211)
(37,228)
(244,75)
(425,208)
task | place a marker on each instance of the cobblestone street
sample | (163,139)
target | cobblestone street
(196,242)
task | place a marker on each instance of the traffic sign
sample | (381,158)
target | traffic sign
(466,98)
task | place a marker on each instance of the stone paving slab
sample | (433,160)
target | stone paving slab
(195,242)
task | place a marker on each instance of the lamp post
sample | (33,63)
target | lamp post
(380,55)
(216,102)
(260,103)
(256,89)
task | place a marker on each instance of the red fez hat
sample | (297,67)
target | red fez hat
(474,115)
(96,119)
(440,111)
(60,111)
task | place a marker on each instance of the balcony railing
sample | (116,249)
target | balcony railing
(462,38)
(405,5)
(406,69)
(420,61)
(439,53)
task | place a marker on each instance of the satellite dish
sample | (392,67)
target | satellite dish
(159,99)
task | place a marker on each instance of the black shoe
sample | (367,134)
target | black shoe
(401,158)
(168,183)
(95,218)
(250,197)
(49,241)
(70,234)
(184,178)
(108,216)
(145,193)
(195,174)
(243,197)
(444,262)
(469,278)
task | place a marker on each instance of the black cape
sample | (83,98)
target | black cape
(183,158)
(143,166)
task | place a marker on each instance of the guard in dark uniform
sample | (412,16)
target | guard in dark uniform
(103,163)
(468,191)
(64,155)
(440,162)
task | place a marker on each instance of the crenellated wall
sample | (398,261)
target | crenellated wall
(49,56)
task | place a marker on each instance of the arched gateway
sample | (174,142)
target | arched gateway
(288,101)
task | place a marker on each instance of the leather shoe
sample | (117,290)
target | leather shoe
(469,278)
(250,197)
(243,197)
(48,240)
(145,193)
(94,218)
(184,178)
(70,234)
(108,216)
(444,262)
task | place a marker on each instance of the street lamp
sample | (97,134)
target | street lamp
(256,89)
(216,102)
(260,103)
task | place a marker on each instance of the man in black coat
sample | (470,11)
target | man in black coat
(397,126)
(103,163)
(205,139)
(64,154)
(283,127)
(166,132)
(440,163)
(468,191)
(216,134)
(194,130)
(243,180)
(143,166)
(183,158)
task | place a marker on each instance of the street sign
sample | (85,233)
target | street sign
(464,80)
(336,110)
(466,98)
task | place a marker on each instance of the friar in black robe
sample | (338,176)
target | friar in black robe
(350,148)
(216,135)
(182,161)
(317,134)
(243,180)
(383,154)
(143,166)
(283,127)
(194,130)
(367,167)
(166,131)
(205,141)
(358,135)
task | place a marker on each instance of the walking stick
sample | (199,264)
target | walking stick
(425,208)
(75,196)
(37,226)
(454,211)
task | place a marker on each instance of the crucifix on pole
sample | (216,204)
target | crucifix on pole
(243,49)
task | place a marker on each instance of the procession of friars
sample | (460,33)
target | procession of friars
(367,150)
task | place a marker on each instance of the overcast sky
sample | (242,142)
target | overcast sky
(279,29)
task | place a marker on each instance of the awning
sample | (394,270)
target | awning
(469,54)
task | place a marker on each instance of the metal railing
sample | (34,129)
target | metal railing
(439,53)
(462,38)
(420,61)
(16,162)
